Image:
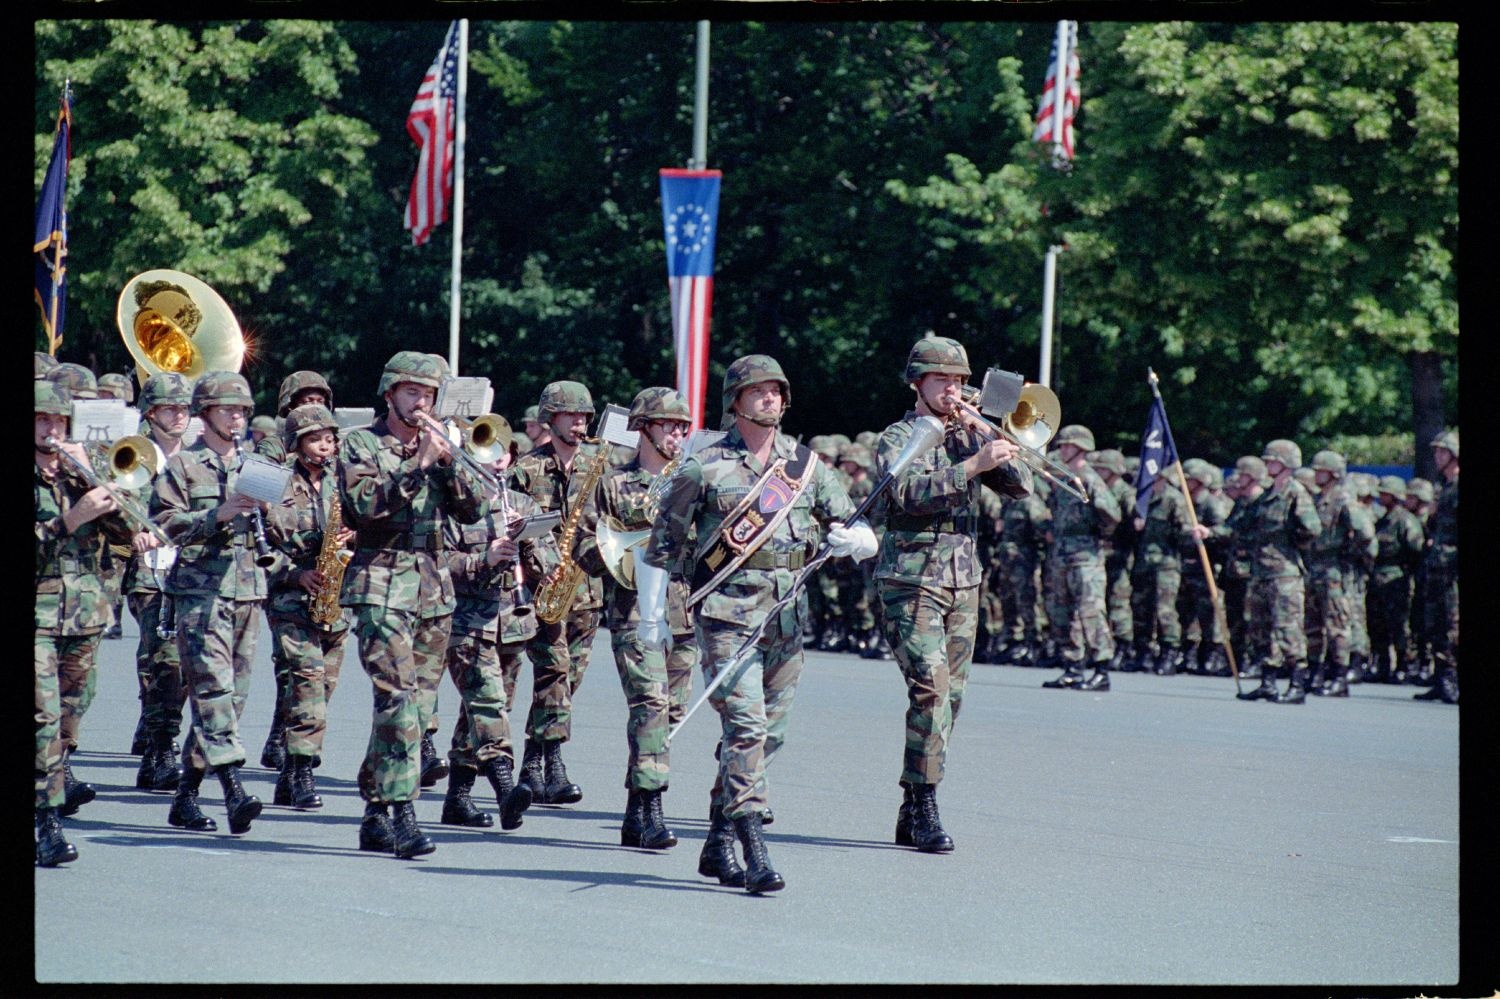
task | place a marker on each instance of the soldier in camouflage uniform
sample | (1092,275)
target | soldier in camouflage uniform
(856,579)
(1363,486)
(1119,554)
(1441,569)
(560,652)
(989,647)
(400,485)
(1400,544)
(1203,639)
(42,362)
(928,573)
(1249,482)
(653,678)
(216,588)
(1420,500)
(753,707)
(1346,538)
(1023,539)
(72,522)
(1282,524)
(829,632)
(1157,577)
(537,432)
(114,385)
(1078,533)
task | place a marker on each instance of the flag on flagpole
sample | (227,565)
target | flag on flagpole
(690,213)
(51,241)
(430,124)
(1060,97)
(1158,453)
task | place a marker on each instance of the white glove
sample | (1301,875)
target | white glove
(651,601)
(854,540)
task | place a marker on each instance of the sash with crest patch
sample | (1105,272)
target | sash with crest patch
(754,521)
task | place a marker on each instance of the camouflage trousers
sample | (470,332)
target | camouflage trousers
(753,705)
(1153,603)
(77,683)
(854,596)
(991,604)
(1054,592)
(559,654)
(483,727)
(465,739)
(158,668)
(1083,633)
(1018,598)
(1389,610)
(1357,583)
(656,687)
(1331,616)
(931,632)
(1195,606)
(216,644)
(403,655)
(1440,613)
(312,658)
(1235,591)
(1276,635)
(1117,586)
(48,653)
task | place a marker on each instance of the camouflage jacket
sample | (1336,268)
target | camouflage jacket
(1239,553)
(706,489)
(400,511)
(1120,545)
(1166,533)
(1080,530)
(1023,529)
(541,476)
(991,527)
(1278,528)
(622,495)
(70,596)
(1399,535)
(296,524)
(1212,509)
(1346,541)
(1442,525)
(487,603)
(273,448)
(932,510)
(213,559)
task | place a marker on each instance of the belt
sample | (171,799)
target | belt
(78,566)
(794,559)
(406,543)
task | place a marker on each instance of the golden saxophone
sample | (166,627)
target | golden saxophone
(555,596)
(332,561)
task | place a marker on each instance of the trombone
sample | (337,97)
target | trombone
(132,464)
(1029,426)
(477,443)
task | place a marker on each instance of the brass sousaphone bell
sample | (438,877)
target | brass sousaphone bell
(617,548)
(172,321)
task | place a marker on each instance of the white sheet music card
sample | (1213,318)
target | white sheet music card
(101,420)
(262,479)
(612,427)
(354,416)
(466,396)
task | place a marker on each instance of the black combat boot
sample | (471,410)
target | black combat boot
(1169,661)
(1117,661)
(1267,689)
(434,767)
(283,793)
(512,798)
(1319,675)
(141,741)
(376,834)
(1358,668)
(273,753)
(533,773)
(1098,680)
(834,637)
(877,648)
(630,826)
(185,813)
(904,816)
(1020,654)
(654,835)
(1141,659)
(1337,684)
(1187,658)
(559,790)
(927,833)
(717,859)
(243,807)
(51,848)
(759,877)
(145,774)
(167,771)
(1072,677)
(1217,662)
(304,789)
(76,793)
(409,841)
(458,807)
(1444,688)
(1296,691)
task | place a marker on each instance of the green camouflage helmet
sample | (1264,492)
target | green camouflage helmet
(79,380)
(1306,476)
(116,386)
(823,446)
(658,403)
(1330,461)
(1394,485)
(860,455)
(564,397)
(53,397)
(166,388)
(1193,468)
(532,415)
(304,420)
(1254,469)
(263,425)
(749,370)
(1285,451)
(1076,434)
(1421,489)
(1447,439)
(43,362)
(936,353)
(840,441)
(221,388)
(1109,458)
(301,381)
(868,438)
(442,363)
(410,366)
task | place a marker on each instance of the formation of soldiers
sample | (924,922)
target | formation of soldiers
(940,542)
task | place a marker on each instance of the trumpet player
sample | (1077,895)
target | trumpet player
(657,676)
(73,518)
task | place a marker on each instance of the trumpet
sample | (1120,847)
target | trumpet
(477,443)
(1029,426)
(132,464)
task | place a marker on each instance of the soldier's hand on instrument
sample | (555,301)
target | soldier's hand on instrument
(144,541)
(994,453)
(435,447)
(502,550)
(76,450)
(310,580)
(856,540)
(345,535)
(234,506)
(92,505)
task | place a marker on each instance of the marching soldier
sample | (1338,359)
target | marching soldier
(1119,554)
(928,573)
(1203,640)
(1441,568)
(767,492)
(400,485)
(1347,536)
(1364,487)
(262,427)
(1156,578)
(1400,541)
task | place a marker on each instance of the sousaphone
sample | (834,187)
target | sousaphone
(172,321)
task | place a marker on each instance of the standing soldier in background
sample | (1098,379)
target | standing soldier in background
(928,573)
(1203,639)
(1346,536)
(1249,483)
(1365,487)
(400,485)
(1400,543)
(1282,524)
(990,645)
(855,582)
(829,630)
(1156,578)
(1441,564)
(114,385)
(560,652)
(1022,540)
(535,430)
(1119,553)
(1420,501)
(1079,531)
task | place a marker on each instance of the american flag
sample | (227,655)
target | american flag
(430,124)
(1048,128)
(690,213)
(51,242)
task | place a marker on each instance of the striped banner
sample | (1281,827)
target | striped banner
(690,211)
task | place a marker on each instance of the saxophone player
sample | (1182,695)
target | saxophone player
(657,678)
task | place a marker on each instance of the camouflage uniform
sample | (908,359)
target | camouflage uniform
(855,582)
(1156,578)
(1347,537)
(1441,569)
(1400,541)
(275,446)
(1420,500)
(1202,637)
(1022,539)
(114,385)
(829,631)
(1235,577)
(1119,554)
(991,604)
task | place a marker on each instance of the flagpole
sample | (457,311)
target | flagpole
(458,194)
(1059,95)
(1049,301)
(1208,569)
(700,103)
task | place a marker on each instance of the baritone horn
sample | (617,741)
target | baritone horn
(1030,422)
(172,321)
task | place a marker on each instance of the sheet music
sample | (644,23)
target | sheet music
(612,424)
(538,526)
(100,420)
(466,396)
(263,480)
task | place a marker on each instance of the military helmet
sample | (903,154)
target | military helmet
(1330,461)
(532,414)
(1447,439)
(53,397)
(263,424)
(868,438)
(166,388)
(221,388)
(442,363)
(1367,484)
(859,454)
(1193,468)
(79,380)
(117,386)
(564,397)
(1285,451)
(658,403)
(936,353)
(1110,459)
(43,362)
(305,419)
(840,441)
(1306,476)
(1421,489)
(1253,467)
(1393,484)
(1076,434)
(749,370)
(300,381)
(410,366)
(823,446)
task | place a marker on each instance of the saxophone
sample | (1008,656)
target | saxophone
(332,561)
(555,596)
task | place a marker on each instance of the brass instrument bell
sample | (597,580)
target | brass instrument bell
(171,321)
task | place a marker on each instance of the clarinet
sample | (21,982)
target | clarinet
(512,573)
(166,611)
(264,557)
